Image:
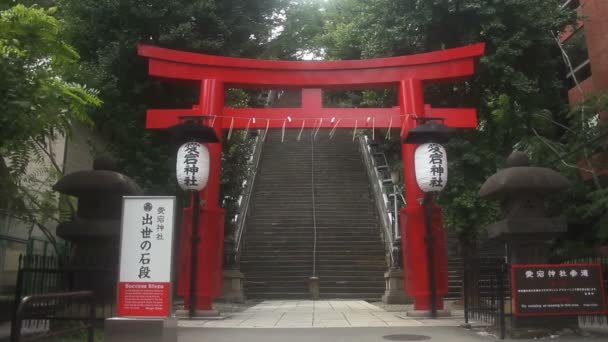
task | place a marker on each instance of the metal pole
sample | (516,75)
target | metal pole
(92,313)
(428,206)
(395,213)
(465,292)
(15,329)
(501,298)
(196,205)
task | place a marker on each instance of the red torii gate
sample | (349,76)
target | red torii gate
(408,73)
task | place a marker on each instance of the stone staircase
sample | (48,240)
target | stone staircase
(277,257)
(455,268)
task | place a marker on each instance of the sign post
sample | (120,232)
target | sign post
(144,285)
(144,282)
(565,289)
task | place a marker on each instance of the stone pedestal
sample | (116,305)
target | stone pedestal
(395,292)
(314,288)
(119,329)
(526,228)
(232,290)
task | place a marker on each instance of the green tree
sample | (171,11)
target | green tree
(39,102)
(106,34)
(518,88)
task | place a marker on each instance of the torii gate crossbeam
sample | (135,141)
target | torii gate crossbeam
(407,73)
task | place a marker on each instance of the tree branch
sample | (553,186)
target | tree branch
(568,63)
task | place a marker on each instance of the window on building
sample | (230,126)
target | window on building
(576,48)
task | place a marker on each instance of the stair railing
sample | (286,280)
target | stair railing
(244,199)
(388,211)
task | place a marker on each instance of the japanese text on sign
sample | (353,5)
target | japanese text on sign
(574,289)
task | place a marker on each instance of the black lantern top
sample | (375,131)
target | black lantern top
(193,129)
(431,130)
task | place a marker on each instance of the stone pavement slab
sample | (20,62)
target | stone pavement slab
(379,334)
(318,314)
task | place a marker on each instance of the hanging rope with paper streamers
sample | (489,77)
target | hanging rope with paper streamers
(333,130)
(266,131)
(231,127)
(301,130)
(235,121)
(283,131)
(248,123)
(318,128)
(373,120)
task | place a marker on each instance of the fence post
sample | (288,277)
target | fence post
(465,293)
(501,299)
(92,308)
(17,300)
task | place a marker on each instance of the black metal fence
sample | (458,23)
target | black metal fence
(38,312)
(486,291)
(42,275)
(594,320)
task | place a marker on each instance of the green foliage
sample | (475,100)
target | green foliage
(106,34)
(39,103)
(518,87)
(301,22)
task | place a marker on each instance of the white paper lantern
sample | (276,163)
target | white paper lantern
(431,167)
(192,166)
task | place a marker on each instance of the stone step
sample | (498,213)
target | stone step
(277,250)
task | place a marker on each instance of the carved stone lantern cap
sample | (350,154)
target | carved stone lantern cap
(519,178)
(102,179)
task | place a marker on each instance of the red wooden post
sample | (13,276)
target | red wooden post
(411,101)
(211,227)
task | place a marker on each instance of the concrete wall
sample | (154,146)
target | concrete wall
(82,147)
(73,153)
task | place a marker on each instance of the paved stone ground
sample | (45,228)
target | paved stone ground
(320,314)
(385,334)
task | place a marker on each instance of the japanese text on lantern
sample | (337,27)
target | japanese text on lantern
(191,168)
(436,162)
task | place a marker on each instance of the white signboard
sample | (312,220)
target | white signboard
(145,256)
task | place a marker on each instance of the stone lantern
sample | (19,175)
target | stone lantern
(95,229)
(525,226)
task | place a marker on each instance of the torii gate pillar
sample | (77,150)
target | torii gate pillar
(413,223)
(211,222)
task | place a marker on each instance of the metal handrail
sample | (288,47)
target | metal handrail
(26,301)
(380,197)
(246,197)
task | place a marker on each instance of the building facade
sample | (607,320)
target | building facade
(71,154)
(586,44)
